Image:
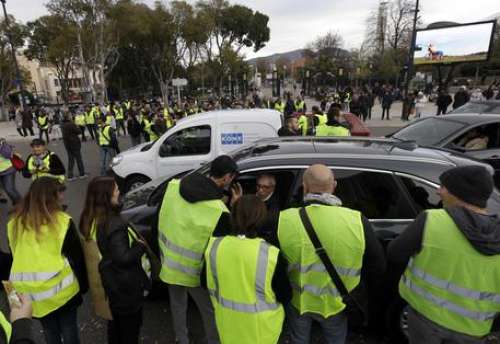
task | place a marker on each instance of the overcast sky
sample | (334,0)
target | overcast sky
(294,23)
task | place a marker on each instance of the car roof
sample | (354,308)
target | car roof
(472,118)
(368,153)
(236,114)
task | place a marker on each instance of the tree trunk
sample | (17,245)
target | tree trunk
(85,71)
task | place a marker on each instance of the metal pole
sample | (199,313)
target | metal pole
(406,106)
(19,82)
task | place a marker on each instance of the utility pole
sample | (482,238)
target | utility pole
(409,67)
(19,81)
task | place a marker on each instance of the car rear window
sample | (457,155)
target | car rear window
(429,131)
(486,108)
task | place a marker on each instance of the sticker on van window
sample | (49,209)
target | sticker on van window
(232,138)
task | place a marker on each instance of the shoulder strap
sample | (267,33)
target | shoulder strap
(320,251)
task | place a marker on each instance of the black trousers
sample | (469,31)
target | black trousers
(75,155)
(125,329)
(40,135)
(92,131)
(385,110)
(82,129)
(30,129)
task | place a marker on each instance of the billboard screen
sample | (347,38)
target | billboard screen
(452,44)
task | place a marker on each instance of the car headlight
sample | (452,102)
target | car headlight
(116,160)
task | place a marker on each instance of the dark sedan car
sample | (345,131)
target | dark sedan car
(389,181)
(476,135)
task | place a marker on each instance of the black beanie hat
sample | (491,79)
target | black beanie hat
(471,184)
(222,165)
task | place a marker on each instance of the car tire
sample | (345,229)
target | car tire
(397,321)
(135,181)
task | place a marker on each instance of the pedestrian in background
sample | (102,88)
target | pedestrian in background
(90,121)
(350,243)
(451,262)
(43,122)
(48,262)
(80,123)
(43,163)
(134,128)
(192,212)
(461,97)
(443,101)
(387,100)
(18,118)
(243,277)
(27,122)
(121,271)
(73,146)
(8,172)
(106,138)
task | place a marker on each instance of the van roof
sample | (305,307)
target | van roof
(234,114)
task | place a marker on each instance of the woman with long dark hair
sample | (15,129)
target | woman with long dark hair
(121,271)
(48,263)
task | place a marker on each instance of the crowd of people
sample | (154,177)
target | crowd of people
(248,264)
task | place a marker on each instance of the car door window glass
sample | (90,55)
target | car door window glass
(376,195)
(189,141)
(480,138)
(424,196)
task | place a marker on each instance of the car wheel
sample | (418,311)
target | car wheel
(397,321)
(136,181)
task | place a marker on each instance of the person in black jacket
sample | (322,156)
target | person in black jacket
(443,101)
(42,162)
(73,146)
(461,97)
(291,127)
(134,128)
(266,192)
(123,277)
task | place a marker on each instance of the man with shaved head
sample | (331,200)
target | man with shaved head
(351,245)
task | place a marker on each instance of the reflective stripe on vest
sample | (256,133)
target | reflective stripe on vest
(451,283)
(184,230)
(313,289)
(260,283)
(6,327)
(49,279)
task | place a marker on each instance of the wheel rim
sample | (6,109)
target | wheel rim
(403,321)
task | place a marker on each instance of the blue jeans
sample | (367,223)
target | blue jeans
(61,326)
(8,183)
(107,154)
(334,328)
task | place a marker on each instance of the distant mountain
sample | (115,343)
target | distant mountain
(290,55)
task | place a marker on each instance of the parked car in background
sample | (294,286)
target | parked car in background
(389,181)
(474,134)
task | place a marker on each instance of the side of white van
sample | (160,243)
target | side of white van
(193,141)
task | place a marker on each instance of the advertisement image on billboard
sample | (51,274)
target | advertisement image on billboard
(453,44)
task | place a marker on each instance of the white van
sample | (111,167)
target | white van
(194,140)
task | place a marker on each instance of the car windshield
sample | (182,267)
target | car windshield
(472,107)
(429,131)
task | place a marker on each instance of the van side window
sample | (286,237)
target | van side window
(189,141)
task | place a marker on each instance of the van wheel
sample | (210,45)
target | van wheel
(136,181)
(397,321)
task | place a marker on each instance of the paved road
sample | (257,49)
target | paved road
(157,320)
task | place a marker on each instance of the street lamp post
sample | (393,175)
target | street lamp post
(409,67)
(308,84)
(14,59)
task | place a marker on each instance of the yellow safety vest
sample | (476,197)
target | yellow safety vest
(109,120)
(6,327)
(128,105)
(299,106)
(183,232)
(304,124)
(38,268)
(43,122)
(449,282)
(119,113)
(5,164)
(43,170)
(332,130)
(80,120)
(341,232)
(279,107)
(239,276)
(105,136)
(89,117)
